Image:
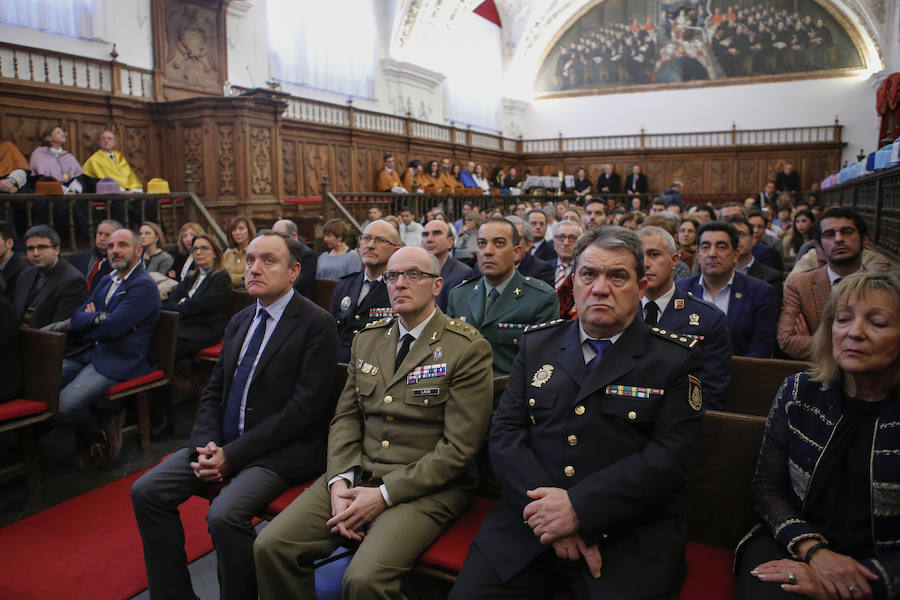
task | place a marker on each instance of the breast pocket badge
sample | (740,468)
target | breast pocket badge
(542,376)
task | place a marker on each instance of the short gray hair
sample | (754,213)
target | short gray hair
(665,236)
(567,223)
(290,227)
(527,231)
(613,237)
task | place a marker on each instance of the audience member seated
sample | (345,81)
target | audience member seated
(592,466)
(543,243)
(528,264)
(582,183)
(730,209)
(502,302)
(747,263)
(10,368)
(567,234)
(306,281)
(154,259)
(671,196)
(339,260)
(687,241)
(436,239)
(767,246)
(410,229)
(13,168)
(361,298)
(412,179)
(373,214)
(202,300)
(465,176)
(51,289)
(388,180)
(702,214)
(842,233)
(397,472)
(632,220)
(801,232)
(594,213)
(109,162)
(636,182)
(448,183)
(184,258)
(92,262)
(750,305)
(670,222)
(261,426)
(827,479)
(787,180)
(609,182)
(467,241)
(11,263)
(431,178)
(116,324)
(665,306)
(767,199)
(240,231)
(511,180)
(480,180)
(51,160)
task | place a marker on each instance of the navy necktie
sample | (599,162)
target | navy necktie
(231,429)
(652,317)
(599,346)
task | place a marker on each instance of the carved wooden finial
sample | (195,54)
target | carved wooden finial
(114,53)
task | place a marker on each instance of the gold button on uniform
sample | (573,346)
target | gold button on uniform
(573,440)
(356,317)
(355,331)
(579,410)
(385,444)
(531,402)
(425,402)
(389,418)
(632,415)
(357,390)
(388,399)
(569,470)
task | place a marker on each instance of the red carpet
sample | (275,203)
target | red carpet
(87,547)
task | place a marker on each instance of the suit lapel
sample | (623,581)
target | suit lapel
(23,289)
(617,361)
(735,301)
(507,300)
(476,303)
(571,358)
(284,328)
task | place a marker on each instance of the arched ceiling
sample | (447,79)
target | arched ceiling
(531,26)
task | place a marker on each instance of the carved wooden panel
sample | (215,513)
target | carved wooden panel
(25,131)
(90,134)
(289,167)
(747,174)
(818,167)
(689,172)
(719,176)
(655,170)
(225,154)
(362,166)
(193,153)
(342,158)
(260,160)
(135,146)
(316,163)
(191,44)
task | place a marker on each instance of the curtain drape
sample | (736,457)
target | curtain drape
(329,45)
(76,18)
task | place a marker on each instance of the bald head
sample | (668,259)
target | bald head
(379,241)
(412,284)
(287,227)
(436,239)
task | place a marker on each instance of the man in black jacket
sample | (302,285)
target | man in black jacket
(92,263)
(436,239)
(261,426)
(11,264)
(305,284)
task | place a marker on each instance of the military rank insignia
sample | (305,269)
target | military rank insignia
(426,372)
(694,319)
(542,376)
(679,303)
(380,312)
(345,303)
(695,395)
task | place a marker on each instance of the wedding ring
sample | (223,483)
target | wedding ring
(792,579)
(853,588)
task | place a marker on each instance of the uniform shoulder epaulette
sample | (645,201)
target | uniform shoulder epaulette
(380,322)
(463,328)
(538,326)
(466,281)
(682,339)
(538,284)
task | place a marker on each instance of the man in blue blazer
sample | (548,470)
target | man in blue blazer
(116,323)
(750,305)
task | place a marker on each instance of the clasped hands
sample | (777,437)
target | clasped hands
(553,520)
(352,509)
(828,576)
(211,464)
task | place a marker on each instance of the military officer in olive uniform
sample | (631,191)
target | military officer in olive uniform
(401,447)
(591,443)
(502,302)
(361,298)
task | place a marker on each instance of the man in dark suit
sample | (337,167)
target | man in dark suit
(675,311)
(51,289)
(747,263)
(305,284)
(542,248)
(92,263)
(116,325)
(609,181)
(436,239)
(361,298)
(591,443)
(636,182)
(749,304)
(530,265)
(768,198)
(767,245)
(11,264)
(261,425)
(788,180)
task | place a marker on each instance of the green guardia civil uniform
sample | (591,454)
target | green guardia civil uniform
(417,431)
(524,301)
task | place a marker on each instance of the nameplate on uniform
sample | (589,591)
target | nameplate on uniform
(633,391)
(379,313)
(426,372)
(512,325)
(427,392)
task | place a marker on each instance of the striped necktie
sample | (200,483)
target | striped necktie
(561,274)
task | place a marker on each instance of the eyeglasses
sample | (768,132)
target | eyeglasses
(829,234)
(411,275)
(196,248)
(376,239)
(38,248)
(561,237)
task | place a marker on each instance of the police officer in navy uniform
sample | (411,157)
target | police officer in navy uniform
(591,443)
(502,302)
(361,298)
(674,310)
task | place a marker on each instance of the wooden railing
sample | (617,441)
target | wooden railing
(877,198)
(34,65)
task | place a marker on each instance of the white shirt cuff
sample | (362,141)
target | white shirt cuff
(385,495)
(19,177)
(349,476)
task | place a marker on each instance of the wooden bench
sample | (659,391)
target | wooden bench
(754,382)
(323,292)
(42,355)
